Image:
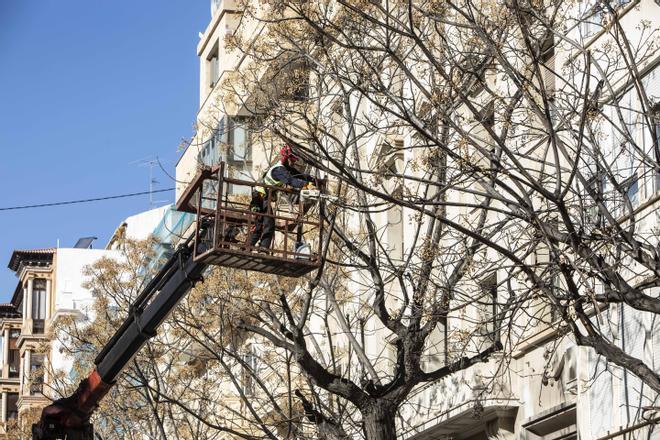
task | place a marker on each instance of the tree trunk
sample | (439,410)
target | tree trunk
(379,422)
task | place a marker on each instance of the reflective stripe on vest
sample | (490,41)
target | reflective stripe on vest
(269,179)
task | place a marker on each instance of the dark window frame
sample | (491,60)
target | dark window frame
(213,63)
(488,288)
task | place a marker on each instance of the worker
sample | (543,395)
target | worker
(282,174)
(259,205)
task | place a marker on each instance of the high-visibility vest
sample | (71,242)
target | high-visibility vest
(269,179)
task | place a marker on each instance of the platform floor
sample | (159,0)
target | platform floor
(260,262)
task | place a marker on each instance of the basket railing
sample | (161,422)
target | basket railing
(225,223)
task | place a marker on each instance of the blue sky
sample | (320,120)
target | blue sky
(86,88)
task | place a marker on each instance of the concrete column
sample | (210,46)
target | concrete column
(24,301)
(5,354)
(46,367)
(49,297)
(26,372)
(21,376)
(28,312)
(3,408)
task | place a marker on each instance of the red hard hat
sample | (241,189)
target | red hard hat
(287,154)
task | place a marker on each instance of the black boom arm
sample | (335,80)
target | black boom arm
(68,418)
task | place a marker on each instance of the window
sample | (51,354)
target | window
(547,60)
(38,305)
(12,406)
(290,79)
(230,142)
(435,352)
(487,310)
(239,140)
(557,292)
(296,84)
(249,370)
(475,67)
(213,66)
(596,186)
(630,189)
(631,186)
(14,363)
(239,154)
(487,115)
(211,152)
(547,51)
(655,116)
(36,373)
(392,160)
(591,18)
(14,355)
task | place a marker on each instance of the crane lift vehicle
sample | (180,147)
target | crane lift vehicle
(219,239)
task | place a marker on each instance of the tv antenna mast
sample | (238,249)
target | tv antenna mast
(151,162)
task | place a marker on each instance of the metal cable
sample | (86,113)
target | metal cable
(73,202)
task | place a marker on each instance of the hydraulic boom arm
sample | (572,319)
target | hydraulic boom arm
(68,418)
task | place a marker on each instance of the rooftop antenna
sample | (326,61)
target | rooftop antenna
(151,162)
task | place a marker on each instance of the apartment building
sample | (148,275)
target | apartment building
(551,388)
(10,324)
(51,284)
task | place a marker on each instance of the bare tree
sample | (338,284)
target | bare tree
(494,125)
(483,166)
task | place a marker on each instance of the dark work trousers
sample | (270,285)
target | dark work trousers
(263,230)
(267,232)
(256,230)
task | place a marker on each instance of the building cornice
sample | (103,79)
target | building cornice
(20,256)
(210,29)
(10,323)
(30,342)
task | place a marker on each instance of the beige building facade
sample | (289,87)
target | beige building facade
(50,285)
(550,388)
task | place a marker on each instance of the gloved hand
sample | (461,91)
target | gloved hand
(309,185)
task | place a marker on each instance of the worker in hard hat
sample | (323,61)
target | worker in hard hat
(282,174)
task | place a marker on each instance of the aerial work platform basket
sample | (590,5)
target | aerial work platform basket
(224,224)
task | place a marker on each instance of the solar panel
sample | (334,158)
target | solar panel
(85,243)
